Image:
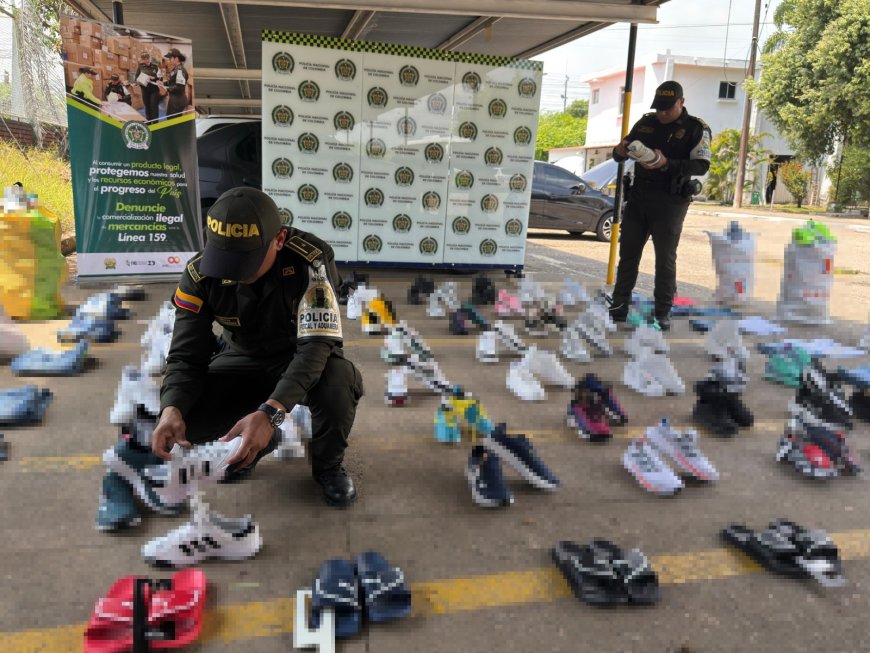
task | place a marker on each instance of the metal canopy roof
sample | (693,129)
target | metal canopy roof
(227,45)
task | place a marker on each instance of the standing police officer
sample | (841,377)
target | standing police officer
(150,88)
(660,196)
(271,289)
(177,83)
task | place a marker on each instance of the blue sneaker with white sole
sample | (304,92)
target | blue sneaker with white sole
(518,452)
(129,460)
(488,488)
(117,508)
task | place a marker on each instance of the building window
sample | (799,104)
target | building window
(727,90)
(594,96)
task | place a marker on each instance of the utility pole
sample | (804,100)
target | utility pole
(747,109)
(565,95)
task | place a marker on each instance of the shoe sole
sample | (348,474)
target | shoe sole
(165,564)
(119,526)
(131,476)
(479,499)
(522,469)
(648,486)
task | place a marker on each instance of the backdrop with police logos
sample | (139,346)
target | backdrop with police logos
(398,154)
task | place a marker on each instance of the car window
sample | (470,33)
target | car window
(246,150)
(559,178)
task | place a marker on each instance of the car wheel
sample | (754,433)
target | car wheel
(604,227)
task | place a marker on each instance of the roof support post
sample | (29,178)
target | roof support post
(357,25)
(466,33)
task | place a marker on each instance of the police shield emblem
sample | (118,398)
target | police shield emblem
(497,108)
(282,168)
(307,194)
(309,91)
(308,143)
(513,227)
(436,103)
(461,225)
(493,156)
(434,153)
(488,247)
(428,246)
(341,221)
(136,135)
(402,223)
(282,116)
(318,314)
(489,203)
(404,176)
(286,216)
(518,183)
(471,82)
(464,180)
(376,148)
(342,173)
(406,126)
(374,197)
(345,70)
(527,87)
(377,97)
(282,63)
(372,244)
(468,130)
(343,121)
(408,76)
(431,201)
(522,135)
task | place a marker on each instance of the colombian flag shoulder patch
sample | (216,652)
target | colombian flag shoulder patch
(187,302)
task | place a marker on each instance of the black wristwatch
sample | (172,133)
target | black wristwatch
(275,415)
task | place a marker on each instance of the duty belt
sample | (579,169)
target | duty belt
(652,184)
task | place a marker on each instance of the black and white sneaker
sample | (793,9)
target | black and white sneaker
(484,474)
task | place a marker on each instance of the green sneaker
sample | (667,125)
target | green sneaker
(803,236)
(823,234)
(786,367)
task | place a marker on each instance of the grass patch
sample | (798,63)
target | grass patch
(43,173)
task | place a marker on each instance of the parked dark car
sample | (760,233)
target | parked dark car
(230,156)
(562,200)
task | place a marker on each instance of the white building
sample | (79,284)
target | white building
(713,90)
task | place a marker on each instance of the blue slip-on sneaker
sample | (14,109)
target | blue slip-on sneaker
(23,406)
(483,472)
(129,460)
(117,508)
(104,306)
(45,362)
(90,328)
(518,452)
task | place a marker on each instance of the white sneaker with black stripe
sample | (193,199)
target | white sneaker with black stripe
(206,536)
(176,479)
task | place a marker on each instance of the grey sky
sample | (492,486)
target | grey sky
(697,28)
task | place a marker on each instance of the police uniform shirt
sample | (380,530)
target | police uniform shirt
(151,70)
(177,82)
(118,88)
(258,321)
(685,142)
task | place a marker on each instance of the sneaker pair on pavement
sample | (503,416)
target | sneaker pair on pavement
(484,473)
(645,459)
(593,409)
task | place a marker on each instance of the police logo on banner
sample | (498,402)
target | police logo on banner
(372,244)
(406,126)
(402,223)
(464,180)
(493,156)
(489,203)
(136,135)
(377,97)
(518,183)
(286,216)
(309,91)
(376,148)
(282,168)
(471,82)
(434,153)
(318,314)
(513,227)
(522,136)
(527,87)
(428,246)
(497,108)
(342,173)
(282,116)
(341,221)
(374,197)
(308,143)
(408,76)
(404,176)
(283,63)
(431,201)
(461,225)
(488,247)
(308,194)
(343,121)
(345,70)
(436,103)
(467,130)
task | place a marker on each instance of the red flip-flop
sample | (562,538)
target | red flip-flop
(184,604)
(110,629)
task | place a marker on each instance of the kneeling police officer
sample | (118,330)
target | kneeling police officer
(272,290)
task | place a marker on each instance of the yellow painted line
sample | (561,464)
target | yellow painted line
(85,462)
(253,620)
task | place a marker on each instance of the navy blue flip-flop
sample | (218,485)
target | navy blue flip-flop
(385,593)
(336,587)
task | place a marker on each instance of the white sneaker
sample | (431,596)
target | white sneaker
(646,338)
(487,347)
(397,386)
(592,332)
(653,474)
(682,449)
(393,351)
(523,383)
(135,389)
(434,307)
(724,341)
(154,358)
(545,366)
(653,375)
(291,445)
(638,378)
(661,366)
(572,292)
(509,337)
(175,480)
(572,347)
(208,535)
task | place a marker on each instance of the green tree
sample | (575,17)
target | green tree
(796,180)
(725,149)
(559,130)
(815,75)
(851,177)
(578,108)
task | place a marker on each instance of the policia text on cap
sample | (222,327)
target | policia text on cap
(660,196)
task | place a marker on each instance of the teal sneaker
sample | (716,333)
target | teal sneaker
(786,367)
(129,460)
(117,508)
